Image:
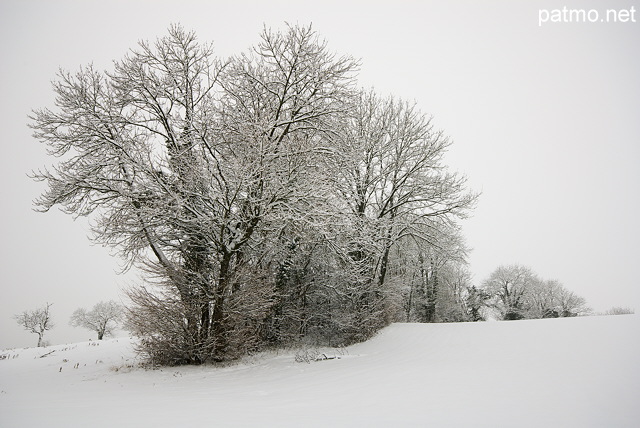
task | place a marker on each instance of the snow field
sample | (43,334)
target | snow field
(579,372)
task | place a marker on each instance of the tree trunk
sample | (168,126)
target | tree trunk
(384,263)
(410,302)
(217,317)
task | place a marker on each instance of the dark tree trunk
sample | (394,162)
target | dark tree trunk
(217,316)
(384,264)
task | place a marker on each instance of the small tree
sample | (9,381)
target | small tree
(102,319)
(37,321)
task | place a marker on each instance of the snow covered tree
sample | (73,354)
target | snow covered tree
(517,293)
(103,318)
(543,299)
(187,165)
(434,276)
(454,293)
(37,321)
(550,299)
(397,193)
(475,303)
(262,196)
(571,305)
(510,286)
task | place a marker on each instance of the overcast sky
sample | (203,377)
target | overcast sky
(545,123)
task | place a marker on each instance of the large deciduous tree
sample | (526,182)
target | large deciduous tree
(263,196)
(185,162)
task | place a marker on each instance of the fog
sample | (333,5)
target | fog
(544,121)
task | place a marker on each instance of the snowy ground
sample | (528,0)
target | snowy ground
(581,372)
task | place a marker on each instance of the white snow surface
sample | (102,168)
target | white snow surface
(579,372)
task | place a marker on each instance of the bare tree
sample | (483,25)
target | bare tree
(550,299)
(475,303)
(186,164)
(510,286)
(262,195)
(544,299)
(518,293)
(37,321)
(571,305)
(454,294)
(396,192)
(439,279)
(393,174)
(103,318)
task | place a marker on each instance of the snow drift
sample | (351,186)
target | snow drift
(579,372)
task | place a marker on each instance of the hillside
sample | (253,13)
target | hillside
(581,372)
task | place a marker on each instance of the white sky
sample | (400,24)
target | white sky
(545,122)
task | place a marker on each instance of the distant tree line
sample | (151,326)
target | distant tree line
(620,310)
(515,292)
(441,290)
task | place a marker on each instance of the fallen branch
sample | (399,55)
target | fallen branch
(48,353)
